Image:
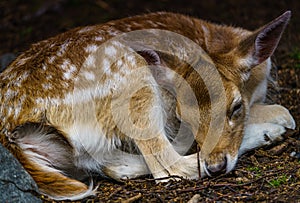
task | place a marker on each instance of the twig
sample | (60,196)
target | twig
(115,192)
(159,197)
(154,179)
(222,196)
(132,199)
(191,189)
(195,199)
(231,189)
(198,161)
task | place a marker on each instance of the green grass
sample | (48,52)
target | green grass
(256,170)
(27,31)
(278,181)
(296,54)
(253,168)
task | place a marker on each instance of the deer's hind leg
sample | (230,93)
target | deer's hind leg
(48,157)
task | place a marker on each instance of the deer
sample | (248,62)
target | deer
(134,96)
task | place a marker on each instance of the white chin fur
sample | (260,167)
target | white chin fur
(203,170)
(231,162)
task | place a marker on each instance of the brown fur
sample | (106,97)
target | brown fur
(36,86)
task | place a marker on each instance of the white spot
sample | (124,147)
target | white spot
(131,59)
(91,48)
(119,63)
(90,61)
(51,59)
(85,29)
(49,77)
(65,65)
(95,90)
(18,107)
(69,69)
(117,44)
(47,101)
(205,30)
(17,111)
(10,94)
(99,38)
(106,66)
(63,48)
(89,75)
(72,67)
(23,61)
(9,110)
(151,23)
(68,75)
(113,32)
(39,100)
(110,51)
(25,75)
(47,86)
(18,81)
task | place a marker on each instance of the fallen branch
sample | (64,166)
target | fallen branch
(132,199)
(195,199)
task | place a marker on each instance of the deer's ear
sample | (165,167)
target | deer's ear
(162,74)
(154,63)
(150,55)
(261,44)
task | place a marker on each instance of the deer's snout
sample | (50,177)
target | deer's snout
(217,164)
(217,168)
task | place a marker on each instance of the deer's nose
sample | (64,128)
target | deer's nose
(216,169)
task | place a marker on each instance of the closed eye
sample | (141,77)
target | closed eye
(237,108)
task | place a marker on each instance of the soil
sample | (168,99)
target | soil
(271,174)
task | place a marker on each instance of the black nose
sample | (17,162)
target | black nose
(216,169)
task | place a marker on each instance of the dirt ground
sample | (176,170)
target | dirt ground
(271,174)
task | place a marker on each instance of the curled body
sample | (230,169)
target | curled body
(132,97)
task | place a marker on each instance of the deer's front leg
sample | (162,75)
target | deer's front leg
(164,161)
(266,124)
(141,117)
(157,157)
(159,154)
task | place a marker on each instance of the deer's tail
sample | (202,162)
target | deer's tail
(48,157)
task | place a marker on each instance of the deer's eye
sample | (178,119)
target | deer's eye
(236,110)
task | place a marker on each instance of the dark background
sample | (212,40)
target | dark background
(24,22)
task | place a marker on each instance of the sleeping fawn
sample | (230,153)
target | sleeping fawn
(133,96)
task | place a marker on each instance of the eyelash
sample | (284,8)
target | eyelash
(236,109)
